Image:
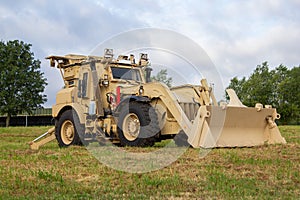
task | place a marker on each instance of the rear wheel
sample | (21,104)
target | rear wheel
(138,125)
(66,132)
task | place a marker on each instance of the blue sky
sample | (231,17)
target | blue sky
(236,35)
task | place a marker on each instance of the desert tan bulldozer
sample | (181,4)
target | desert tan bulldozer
(107,99)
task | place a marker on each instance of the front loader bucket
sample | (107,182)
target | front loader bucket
(235,127)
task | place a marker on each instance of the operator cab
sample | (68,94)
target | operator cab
(126,68)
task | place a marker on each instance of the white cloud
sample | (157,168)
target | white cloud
(237,35)
(55,27)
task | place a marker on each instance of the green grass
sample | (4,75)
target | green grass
(264,172)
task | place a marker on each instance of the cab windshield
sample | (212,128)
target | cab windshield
(126,74)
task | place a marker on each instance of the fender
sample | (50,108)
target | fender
(58,109)
(133,98)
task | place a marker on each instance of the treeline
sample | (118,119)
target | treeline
(279,87)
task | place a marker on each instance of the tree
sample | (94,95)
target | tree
(21,81)
(259,86)
(237,85)
(289,90)
(162,76)
(279,87)
(279,76)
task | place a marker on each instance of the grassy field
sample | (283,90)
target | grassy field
(265,172)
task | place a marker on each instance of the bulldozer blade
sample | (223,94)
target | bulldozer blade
(239,127)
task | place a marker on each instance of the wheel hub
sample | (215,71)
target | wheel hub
(67,132)
(131,126)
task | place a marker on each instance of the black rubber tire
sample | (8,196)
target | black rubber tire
(181,139)
(67,117)
(149,128)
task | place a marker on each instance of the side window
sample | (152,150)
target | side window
(136,75)
(79,88)
(82,86)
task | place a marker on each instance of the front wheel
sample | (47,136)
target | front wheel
(138,125)
(66,132)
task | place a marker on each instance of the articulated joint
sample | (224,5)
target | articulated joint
(204,113)
(271,120)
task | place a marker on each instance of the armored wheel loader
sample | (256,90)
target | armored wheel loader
(107,99)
